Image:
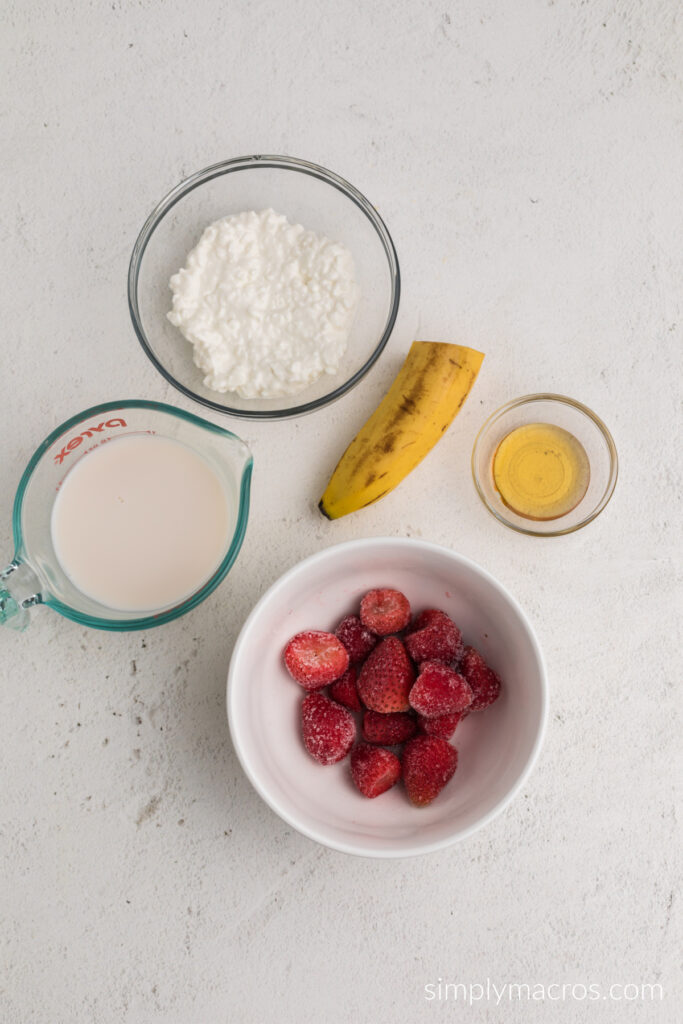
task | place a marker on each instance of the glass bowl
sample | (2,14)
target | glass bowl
(306,194)
(561,412)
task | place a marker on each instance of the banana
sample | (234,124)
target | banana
(425,397)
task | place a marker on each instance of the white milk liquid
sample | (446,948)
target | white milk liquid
(141,523)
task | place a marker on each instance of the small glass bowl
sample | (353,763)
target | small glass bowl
(561,412)
(306,194)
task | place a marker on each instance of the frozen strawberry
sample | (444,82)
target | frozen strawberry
(427,618)
(315,658)
(344,690)
(386,677)
(434,637)
(357,640)
(385,611)
(428,763)
(374,770)
(396,727)
(328,729)
(439,690)
(444,726)
(483,681)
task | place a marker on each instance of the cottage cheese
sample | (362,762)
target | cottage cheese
(267,305)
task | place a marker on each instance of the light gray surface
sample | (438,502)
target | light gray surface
(526,157)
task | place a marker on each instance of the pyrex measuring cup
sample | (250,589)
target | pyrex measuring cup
(34,576)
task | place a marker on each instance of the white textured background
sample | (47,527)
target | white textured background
(527,159)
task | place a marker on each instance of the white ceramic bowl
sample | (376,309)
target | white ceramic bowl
(497,748)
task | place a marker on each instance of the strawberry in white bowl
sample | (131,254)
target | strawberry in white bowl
(435,797)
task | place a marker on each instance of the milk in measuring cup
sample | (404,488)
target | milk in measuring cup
(141,523)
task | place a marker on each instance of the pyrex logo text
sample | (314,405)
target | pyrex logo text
(75,441)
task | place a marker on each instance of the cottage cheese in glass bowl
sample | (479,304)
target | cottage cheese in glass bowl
(252,350)
(267,304)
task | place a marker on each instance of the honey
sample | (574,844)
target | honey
(541,471)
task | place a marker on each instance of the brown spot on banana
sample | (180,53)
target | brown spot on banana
(373,500)
(387,444)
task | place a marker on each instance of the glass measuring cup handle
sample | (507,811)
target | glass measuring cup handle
(19,591)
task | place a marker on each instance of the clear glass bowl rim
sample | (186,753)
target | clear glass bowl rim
(146,621)
(254,162)
(548,397)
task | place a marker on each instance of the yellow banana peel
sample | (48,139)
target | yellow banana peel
(420,405)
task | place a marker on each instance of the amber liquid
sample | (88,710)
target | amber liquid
(541,471)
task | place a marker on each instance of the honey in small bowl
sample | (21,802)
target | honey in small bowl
(541,471)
